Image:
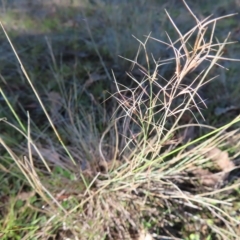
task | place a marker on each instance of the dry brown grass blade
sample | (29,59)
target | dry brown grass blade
(37,95)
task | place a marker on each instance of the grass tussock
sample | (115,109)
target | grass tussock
(137,166)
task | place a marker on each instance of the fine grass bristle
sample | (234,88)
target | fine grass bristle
(139,165)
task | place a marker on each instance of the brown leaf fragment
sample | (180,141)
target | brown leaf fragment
(48,154)
(221,162)
(56,104)
(93,77)
(221,159)
(207,178)
(25,195)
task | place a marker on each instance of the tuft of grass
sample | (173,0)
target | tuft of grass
(126,169)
